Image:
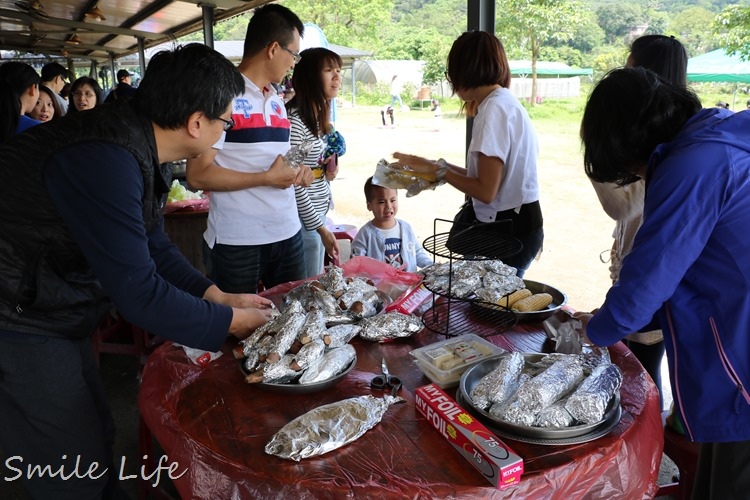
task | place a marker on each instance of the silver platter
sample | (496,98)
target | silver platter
(297,388)
(535,435)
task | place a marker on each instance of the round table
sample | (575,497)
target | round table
(216,427)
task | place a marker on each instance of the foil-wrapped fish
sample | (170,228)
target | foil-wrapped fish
(284,339)
(324,301)
(313,328)
(339,318)
(328,427)
(329,365)
(366,307)
(334,281)
(499,385)
(308,354)
(389,326)
(555,416)
(274,373)
(341,334)
(589,402)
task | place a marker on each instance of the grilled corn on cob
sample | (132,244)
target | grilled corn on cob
(514,297)
(536,302)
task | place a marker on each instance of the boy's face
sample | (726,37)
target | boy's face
(384,205)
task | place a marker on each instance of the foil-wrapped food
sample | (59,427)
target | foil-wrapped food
(488,280)
(589,402)
(500,384)
(389,326)
(557,391)
(328,427)
(308,341)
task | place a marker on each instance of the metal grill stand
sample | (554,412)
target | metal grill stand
(453,316)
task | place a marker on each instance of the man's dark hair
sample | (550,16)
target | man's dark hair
(179,82)
(271,23)
(628,114)
(122,74)
(52,70)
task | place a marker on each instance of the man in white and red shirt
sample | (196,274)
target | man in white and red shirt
(253,232)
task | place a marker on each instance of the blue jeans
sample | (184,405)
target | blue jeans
(52,403)
(314,252)
(239,268)
(395,98)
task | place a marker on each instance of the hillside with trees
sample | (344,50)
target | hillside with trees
(581,33)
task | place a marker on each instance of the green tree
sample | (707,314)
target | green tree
(732,29)
(618,20)
(534,23)
(692,27)
(354,24)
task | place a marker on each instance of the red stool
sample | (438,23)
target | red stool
(684,454)
(117,336)
(342,232)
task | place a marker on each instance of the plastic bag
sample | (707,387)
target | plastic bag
(396,176)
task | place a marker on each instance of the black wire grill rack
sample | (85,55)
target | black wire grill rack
(454,318)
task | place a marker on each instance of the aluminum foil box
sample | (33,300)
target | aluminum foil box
(490,456)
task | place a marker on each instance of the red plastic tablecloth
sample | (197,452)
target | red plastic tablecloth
(216,426)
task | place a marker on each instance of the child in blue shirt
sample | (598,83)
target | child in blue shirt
(385,237)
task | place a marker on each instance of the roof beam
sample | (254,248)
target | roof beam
(98,28)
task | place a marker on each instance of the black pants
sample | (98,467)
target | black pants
(52,404)
(526,226)
(723,471)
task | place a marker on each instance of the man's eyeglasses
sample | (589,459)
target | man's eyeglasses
(297,57)
(228,124)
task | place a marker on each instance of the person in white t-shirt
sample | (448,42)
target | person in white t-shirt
(253,234)
(500,178)
(385,237)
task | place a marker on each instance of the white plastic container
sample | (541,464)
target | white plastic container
(444,362)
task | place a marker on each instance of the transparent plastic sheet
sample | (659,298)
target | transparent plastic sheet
(216,426)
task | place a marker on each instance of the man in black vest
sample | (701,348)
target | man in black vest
(81,229)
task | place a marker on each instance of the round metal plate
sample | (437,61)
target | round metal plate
(538,435)
(297,388)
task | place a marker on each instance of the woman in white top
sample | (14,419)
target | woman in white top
(316,81)
(500,178)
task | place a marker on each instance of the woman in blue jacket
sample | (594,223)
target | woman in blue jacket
(689,264)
